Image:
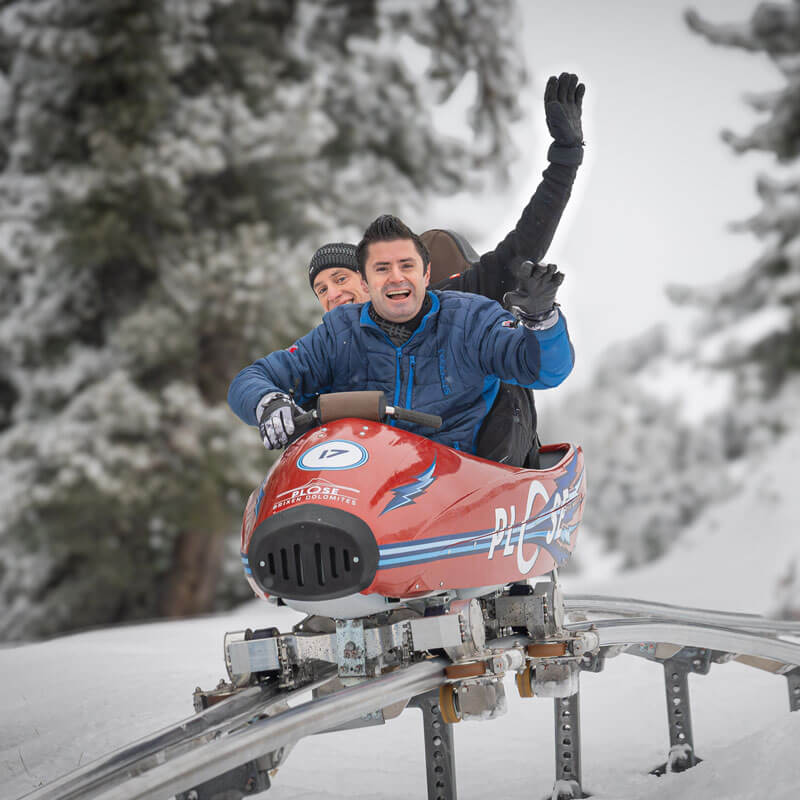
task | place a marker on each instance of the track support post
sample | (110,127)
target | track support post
(440,765)
(568,784)
(793,679)
(677,668)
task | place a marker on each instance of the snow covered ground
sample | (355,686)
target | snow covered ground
(70,700)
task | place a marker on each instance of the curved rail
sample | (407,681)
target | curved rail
(625,606)
(188,734)
(164,771)
(691,634)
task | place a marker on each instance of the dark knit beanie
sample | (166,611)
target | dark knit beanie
(338,254)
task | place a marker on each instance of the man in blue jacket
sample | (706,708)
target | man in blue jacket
(509,432)
(439,352)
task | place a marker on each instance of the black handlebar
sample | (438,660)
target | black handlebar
(365,405)
(307,418)
(417,417)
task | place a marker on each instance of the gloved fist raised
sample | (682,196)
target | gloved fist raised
(563,108)
(275,414)
(534,299)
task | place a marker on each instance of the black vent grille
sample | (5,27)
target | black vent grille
(313,552)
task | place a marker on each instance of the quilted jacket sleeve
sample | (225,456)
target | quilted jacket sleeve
(515,354)
(305,369)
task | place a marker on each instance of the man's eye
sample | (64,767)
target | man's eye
(341,279)
(321,291)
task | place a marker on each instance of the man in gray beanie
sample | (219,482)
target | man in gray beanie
(334,277)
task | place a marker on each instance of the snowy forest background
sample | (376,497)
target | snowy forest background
(167,168)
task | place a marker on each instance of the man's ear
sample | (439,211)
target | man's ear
(364,285)
(427,274)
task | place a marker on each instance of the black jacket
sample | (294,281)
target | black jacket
(509,433)
(491,275)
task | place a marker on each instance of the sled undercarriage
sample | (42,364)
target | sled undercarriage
(447,660)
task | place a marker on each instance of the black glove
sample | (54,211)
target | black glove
(276,420)
(563,106)
(534,299)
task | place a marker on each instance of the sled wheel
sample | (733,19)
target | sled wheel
(458,672)
(524,683)
(447,704)
(547,649)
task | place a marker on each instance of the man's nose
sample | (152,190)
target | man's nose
(396,274)
(335,291)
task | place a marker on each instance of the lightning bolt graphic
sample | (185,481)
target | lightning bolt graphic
(404,495)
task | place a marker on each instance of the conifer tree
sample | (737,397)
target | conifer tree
(167,167)
(757,310)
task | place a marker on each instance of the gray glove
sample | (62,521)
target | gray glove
(534,300)
(275,414)
(563,107)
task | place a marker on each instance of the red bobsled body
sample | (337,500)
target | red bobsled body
(364,507)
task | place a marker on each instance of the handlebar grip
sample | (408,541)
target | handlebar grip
(307,418)
(303,423)
(418,417)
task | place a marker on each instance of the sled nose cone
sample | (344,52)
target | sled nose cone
(313,552)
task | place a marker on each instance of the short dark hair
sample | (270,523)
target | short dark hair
(388,228)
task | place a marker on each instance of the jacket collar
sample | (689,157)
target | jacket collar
(367,321)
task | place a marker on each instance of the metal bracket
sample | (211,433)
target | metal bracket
(351,648)
(440,765)
(286,676)
(244,780)
(593,662)
(679,714)
(539,610)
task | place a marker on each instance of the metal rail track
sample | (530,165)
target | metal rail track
(236,731)
(692,634)
(162,771)
(183,736)
(626,606)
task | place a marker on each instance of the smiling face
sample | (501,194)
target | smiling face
(338,286)
(396,278)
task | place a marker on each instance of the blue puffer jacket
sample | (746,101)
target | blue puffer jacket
(452,364)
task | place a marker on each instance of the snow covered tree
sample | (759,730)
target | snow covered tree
(166,169)
(756,314)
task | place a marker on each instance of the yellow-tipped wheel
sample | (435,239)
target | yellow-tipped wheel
(523,679)
(447,704)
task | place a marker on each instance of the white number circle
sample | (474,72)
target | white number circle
(338,454)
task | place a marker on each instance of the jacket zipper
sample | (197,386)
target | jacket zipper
(397,381)
(410,387)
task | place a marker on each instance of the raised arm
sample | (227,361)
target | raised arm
(533,233)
